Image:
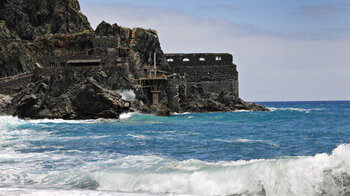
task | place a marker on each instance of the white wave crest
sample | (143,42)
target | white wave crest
(30,191)
(184,113)
(246,141)
(10,121)
(242,111)
(138,137)
(321,174)
(124,116)
(61,121)
(296,109)
(127,95)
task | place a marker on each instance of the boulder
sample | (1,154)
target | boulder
(5,100)
(86,100)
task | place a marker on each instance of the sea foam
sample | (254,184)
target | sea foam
(306,110)
(321,174)
(127,95)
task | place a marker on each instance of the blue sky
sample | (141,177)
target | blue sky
(284,49)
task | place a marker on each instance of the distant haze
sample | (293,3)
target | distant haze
(285,50)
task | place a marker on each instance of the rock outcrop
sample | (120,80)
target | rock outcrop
(22,21)
(27,19)
(65,95)
(201,100)
(48,34)
(142,42)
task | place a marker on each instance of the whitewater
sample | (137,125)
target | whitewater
(299,148)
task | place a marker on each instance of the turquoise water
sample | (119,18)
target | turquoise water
(299,148)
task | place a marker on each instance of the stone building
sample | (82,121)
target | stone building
(103,51)
(213,71)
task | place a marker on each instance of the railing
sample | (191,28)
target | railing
(18,76)
(151,76)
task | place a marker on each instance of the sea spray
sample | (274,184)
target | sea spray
(127,95)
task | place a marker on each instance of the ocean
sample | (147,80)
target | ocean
(299,148)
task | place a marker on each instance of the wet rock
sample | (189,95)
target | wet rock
(90,101)
(48,98)
(5,100)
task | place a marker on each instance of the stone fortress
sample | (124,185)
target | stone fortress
(60,68)
(209,69)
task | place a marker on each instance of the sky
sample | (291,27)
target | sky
(285,50)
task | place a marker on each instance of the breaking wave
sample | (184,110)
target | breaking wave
(296,109)
(10,120)
(127,95)
(322,174)
(149,155)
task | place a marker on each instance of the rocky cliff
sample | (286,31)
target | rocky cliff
(37,42)
(21,21)
(27,19)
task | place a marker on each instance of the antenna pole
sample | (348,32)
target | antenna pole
(155,64)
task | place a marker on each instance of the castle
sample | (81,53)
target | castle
(74,72)
(213,71)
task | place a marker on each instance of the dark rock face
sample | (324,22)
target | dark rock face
(143,43)
(27,19)
(90,100)
(23,20)
(51,32)
(66,95)
(201,100)
(15,57)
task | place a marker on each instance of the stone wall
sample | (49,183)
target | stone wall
(215,72)
(105,48)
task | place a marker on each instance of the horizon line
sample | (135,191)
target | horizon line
(302,101)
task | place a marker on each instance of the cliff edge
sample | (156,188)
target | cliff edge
(53,65)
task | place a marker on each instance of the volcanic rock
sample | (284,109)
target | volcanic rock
(32,31)
(86,100)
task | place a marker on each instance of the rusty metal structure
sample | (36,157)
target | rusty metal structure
(154,80)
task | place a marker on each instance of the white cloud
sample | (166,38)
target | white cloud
(271,66)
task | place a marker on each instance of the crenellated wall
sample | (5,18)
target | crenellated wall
(215,72)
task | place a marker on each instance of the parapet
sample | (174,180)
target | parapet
(199,59)
(214,72)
